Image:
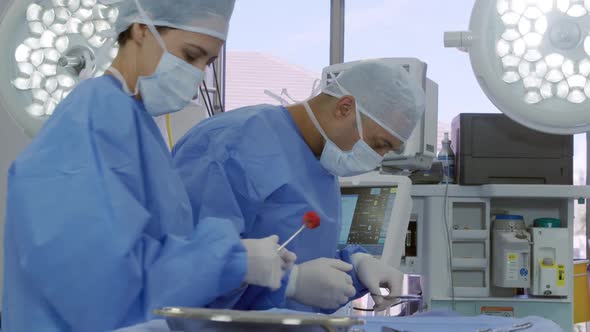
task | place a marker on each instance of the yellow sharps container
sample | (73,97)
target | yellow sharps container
(581,292)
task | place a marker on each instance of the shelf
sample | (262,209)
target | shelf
(503,299)
(503,190)
(470,235)
(470,264)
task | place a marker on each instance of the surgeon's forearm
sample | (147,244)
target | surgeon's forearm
(212,262)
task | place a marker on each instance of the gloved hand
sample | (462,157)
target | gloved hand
(376,275)
(321,283)
(266,267)
(288,258)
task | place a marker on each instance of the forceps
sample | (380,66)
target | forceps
(514,328)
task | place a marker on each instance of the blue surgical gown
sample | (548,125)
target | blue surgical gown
(99,229)
(252,166)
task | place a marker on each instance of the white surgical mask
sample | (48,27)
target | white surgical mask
(173,84)
(361,159)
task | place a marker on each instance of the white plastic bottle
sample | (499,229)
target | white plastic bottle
(447,158)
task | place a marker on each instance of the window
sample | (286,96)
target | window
(274,46)
(580,162)
(376,28)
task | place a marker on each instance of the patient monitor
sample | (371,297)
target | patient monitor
(376,212)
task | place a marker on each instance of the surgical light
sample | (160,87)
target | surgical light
(49,44)
(532,59)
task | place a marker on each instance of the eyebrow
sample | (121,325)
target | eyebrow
(387,143)
(202,50)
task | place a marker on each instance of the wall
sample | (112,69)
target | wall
(183,121)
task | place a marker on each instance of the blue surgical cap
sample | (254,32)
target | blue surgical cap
(209,17)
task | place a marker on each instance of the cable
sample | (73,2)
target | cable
(448,234)
(169,132)
(221,106)
(372,310)
(209,112)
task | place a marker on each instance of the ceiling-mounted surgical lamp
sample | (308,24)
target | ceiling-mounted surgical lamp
(532,59)
(48,46)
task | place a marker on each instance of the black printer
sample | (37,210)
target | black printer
(493,149)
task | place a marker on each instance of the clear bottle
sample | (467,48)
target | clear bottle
(447,158)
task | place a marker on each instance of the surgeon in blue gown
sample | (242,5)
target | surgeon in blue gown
(272,164)
(99,228)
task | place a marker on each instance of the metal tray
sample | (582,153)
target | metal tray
(199,319)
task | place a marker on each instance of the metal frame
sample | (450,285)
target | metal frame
(337,20)
(220,65)
(587,202)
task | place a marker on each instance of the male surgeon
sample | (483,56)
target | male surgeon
(264,166)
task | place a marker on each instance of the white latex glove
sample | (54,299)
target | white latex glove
(288,258)
(321,283)
(376,275)
(266,267)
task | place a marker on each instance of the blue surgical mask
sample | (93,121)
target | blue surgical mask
(171,87)
(361,159)
(173,84)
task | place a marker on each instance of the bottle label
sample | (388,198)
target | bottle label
(448,164)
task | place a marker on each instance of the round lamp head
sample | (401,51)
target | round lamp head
(532,59)
(47,44)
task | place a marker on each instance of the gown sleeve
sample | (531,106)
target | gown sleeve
(211,165)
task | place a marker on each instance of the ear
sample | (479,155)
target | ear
(345,107)
(139,33)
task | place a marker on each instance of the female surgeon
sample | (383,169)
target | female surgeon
(99,228)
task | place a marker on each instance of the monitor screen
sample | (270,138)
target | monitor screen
(366,212)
